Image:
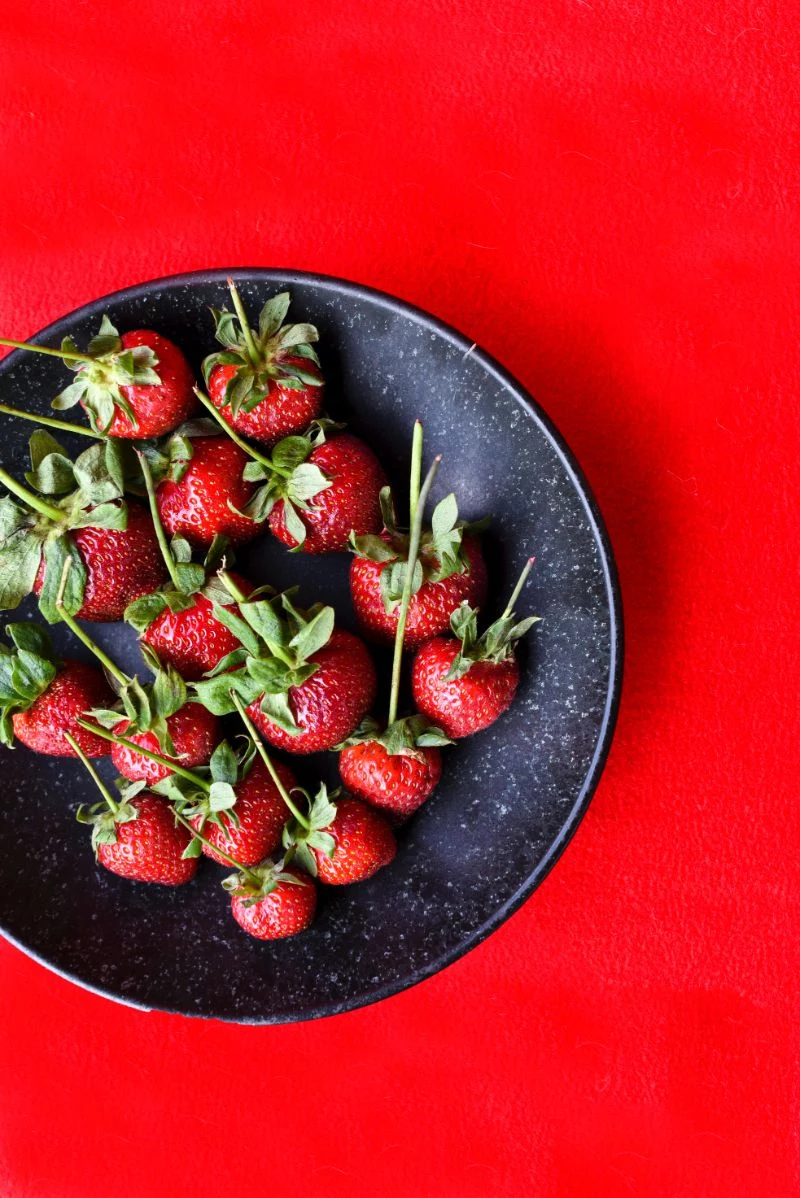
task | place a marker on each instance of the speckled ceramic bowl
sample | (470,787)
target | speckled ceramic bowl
(510,798)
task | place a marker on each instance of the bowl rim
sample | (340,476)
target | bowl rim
(532,409)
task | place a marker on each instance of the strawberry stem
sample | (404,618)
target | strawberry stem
(265,757)
(33,501)
(231,586)
(234,436)
(161,536)
(63,354)
(252,878)
(247,332)
(515,594)
(416,471)
(405,601)
(75,627)
(104,791)
(51,422)
(123,741)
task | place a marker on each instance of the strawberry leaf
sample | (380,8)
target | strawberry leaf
(273,314)
(314,635)
(56,552)
(20,556)
(276,708)
(142,612)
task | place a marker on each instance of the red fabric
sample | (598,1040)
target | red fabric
(603,194)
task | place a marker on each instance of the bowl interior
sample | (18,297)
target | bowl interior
(510,797)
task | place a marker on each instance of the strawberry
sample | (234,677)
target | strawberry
(340,841)
(450,569)
(266,384)
(112,544)
(272,903)
(307,684)
(136,385)
(140,840)
(178,621)
(42,696)
(324,496)
(193,733)
(397,771)
(465,682)
(236,805)
(203,495)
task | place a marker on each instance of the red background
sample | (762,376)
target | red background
(602,194)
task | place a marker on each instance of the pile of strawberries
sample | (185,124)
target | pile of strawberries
(141,527)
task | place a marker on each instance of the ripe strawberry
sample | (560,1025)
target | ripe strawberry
(274,903)
(346,841)
(112,544)
(336,488)
(205,494)
(41,696)
(251,829)
(306,684)
(395,771)
(266,384)
(136,385)
(431,606)
(148,845)
(193,732)
(464,683)
(191,639)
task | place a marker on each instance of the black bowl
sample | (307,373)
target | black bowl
(510,798)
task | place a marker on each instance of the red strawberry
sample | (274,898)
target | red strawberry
(251,828)
(307,684)
(192,640)
(148,847)
(136,385)
(112,545)
(431,606)
(266,384)
(464,683)
(285,906)
(363,843)
(193,731)
(42,697)
(398,783)
(199,505)
(121,566)
(330,704)
(351,480)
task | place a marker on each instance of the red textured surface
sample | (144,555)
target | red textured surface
(603,194)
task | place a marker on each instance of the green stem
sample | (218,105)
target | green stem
(515,594)
(265,757)
(252,348)
(63,354)
(161,536)
(252,878)
(51,422)
(416,471)
(405,601)
(33,501)
(73,624)
(92,772)
(234,436)
(172,766)
(231,586)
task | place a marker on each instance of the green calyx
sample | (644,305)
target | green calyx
(101,373)
(257,882)
(190,579)
(212,794)
(65,495)
(26,672)
(497,643)
(169,457)
(274,353)
(277,641)
(104,820)
(404,737)
(147,706)
(441,549)
(288,475)
(299,839)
